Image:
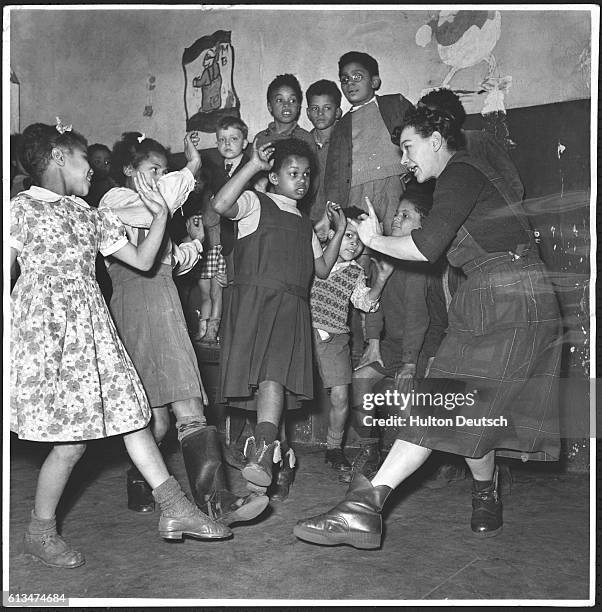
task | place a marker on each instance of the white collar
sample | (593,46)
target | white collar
(234,163)
(283,199)
(345,264)
(354,108)
(40,193)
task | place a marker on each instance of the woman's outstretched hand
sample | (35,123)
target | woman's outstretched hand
(368,227)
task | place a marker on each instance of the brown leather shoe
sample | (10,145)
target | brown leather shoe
(486,520)
(51,550)
(356,521)
(197,525)
(285,476)
(140,496)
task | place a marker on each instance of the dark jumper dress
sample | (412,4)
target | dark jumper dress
(504,342)
(266,322)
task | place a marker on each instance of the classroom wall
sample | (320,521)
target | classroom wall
(92,67)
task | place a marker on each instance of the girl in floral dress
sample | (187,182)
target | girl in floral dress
(71,379)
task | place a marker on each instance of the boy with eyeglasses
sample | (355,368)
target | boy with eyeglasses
(362,160)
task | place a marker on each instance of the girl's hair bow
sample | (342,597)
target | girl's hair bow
(61,128)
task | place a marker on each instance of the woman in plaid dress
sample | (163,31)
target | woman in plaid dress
(500,357)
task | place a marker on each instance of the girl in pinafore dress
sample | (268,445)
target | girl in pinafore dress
(266,344)
(500,358)
(71,379)
(149,317)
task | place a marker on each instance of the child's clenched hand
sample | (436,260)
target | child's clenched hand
(191,141)
(384,267)
(194,227)
(261,155)
(336,216)
(222,279)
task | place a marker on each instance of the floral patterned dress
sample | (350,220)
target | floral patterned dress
(70,378)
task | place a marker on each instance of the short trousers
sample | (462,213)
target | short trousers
(213,263)
(334,359)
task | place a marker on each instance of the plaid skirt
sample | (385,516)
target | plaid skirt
(502,352)
(213,262)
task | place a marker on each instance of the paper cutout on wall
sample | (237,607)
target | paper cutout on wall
(465,39)
(150,86)
(209,91)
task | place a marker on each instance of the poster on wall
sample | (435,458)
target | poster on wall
(208,88)
(465,39)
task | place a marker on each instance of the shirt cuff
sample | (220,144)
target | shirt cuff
(113,248)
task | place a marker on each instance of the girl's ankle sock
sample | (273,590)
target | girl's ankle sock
(334,439)
(172,500)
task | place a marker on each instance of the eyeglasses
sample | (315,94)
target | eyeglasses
(356,78)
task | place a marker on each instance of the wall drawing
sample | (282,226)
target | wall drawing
(465,39)
(209,92)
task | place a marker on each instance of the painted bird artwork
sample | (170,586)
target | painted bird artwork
(463,38)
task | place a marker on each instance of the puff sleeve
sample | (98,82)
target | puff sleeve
(18,223)
(112,232)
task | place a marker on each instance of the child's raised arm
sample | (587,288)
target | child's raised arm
(143,256)
(224,202)
(192,153)
(323,265)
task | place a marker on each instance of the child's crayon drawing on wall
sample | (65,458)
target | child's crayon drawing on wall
(209,90)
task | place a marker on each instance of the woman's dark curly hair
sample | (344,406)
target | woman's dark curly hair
(444,100)
(37,142)
(426,121)
(129,152)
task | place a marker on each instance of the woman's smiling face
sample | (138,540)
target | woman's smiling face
(418,154)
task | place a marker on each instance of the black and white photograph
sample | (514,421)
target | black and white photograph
(299,305)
